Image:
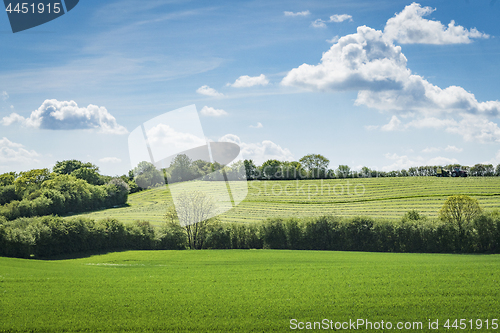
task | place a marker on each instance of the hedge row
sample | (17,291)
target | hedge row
(51,235)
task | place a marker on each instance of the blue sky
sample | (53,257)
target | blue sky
(386,84)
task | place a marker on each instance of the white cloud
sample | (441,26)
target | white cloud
(207,91)
(246,81)
(211,112)
(409,27)
(110,160)
(4,95)
(363,60)
(340,18)
(11,152)
(64,115)
(393,125)
(449,149)
(431,150)
(261,151)
(373,65)
(334,40)
(259,125)
(440,160)
(318,23)
(163,135)
(405,162)
(303,13)
(453,149)
(11,119)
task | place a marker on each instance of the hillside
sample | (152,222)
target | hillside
(386,198)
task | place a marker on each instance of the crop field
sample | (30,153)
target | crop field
(242,290)
(387,198)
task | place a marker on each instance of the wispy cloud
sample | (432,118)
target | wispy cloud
(11,152)
(207,91)
(212,112)
(259,125)
(113,160)
(296,14)
(318,23)
(4,96)
(340,18)
(246,81)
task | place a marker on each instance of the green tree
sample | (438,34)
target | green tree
(460,211)
(271,169)
(250,169)
(146,175)
(91,176)
(68,166)
(314,161)
(7,179)
(181,169)
(497,170)
(30,181)
(343,171)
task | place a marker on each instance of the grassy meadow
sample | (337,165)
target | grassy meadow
(387,198)
(242,290)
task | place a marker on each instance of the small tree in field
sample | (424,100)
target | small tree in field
(194,210)
(460,211)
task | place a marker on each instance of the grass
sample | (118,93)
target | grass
(387,198)
(242,290)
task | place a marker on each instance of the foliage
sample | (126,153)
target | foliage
(314,161)
(29,181)
(460,210)
(147,176)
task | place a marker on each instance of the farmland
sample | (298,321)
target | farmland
(387,198)
(242,290)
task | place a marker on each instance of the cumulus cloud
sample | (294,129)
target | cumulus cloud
(207,91)
(370,63)
(364,60)
(113,160)
(259,125)
(303,13)
(340,18)
(4,96)
(261,151)
(318,23)
(246,81)
(64,115)
(11,119)
(409,27)
(11,152)
(211,112)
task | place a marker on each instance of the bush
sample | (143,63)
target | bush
(171,237)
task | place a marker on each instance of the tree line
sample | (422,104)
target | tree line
(71,187)
(462,227)
(312,166)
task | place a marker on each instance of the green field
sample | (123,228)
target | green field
(242,290)
(386,198)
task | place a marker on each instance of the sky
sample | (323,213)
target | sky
(382,84)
